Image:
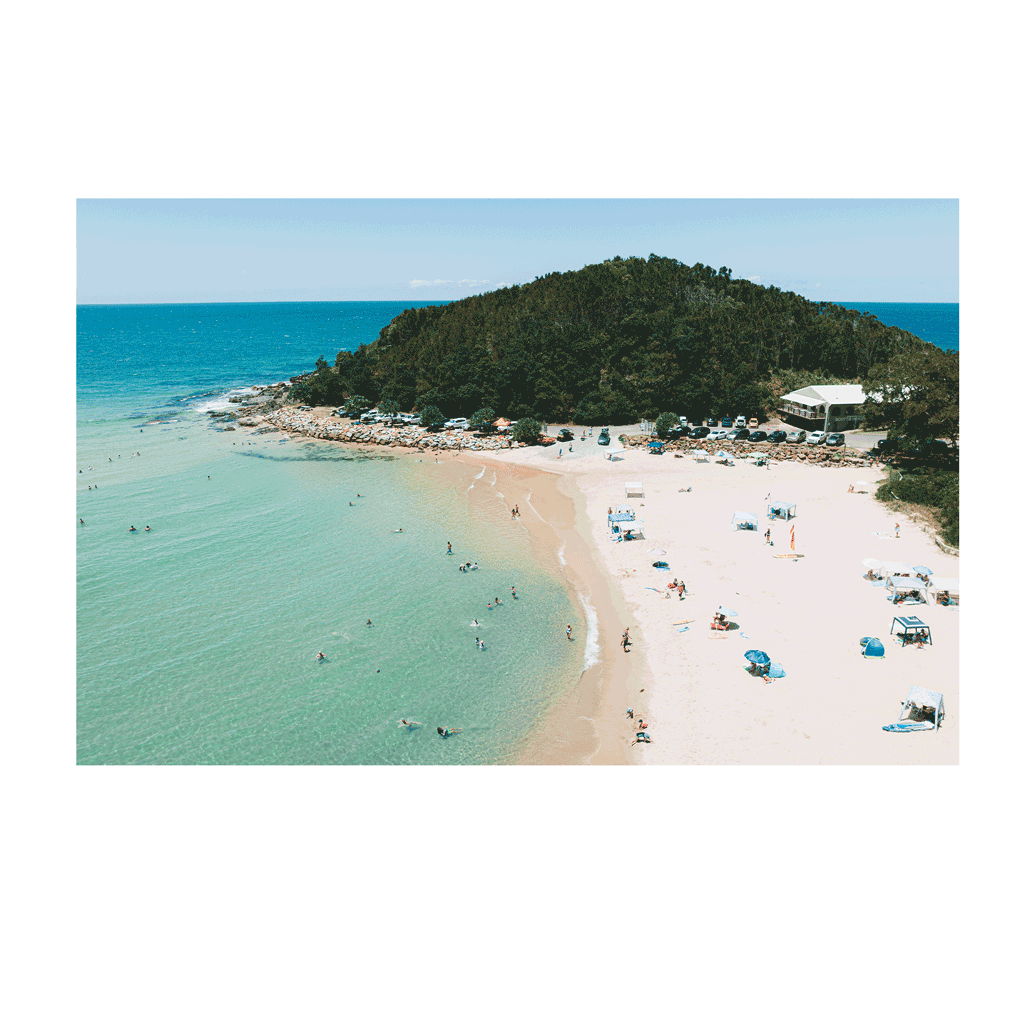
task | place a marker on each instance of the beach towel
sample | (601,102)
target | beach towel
(651,587)
(684,628)
(885,535)
(909,726)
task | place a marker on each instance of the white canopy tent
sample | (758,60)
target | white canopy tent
(922,704)
(633,527)
(894,569)
(612,454)
(781,510)
(912,590)
(742,519)
(950,586)
(634,489)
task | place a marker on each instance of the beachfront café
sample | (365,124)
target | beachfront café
(781,511)
(832,408)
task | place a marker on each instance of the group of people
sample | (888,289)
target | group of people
(444,731)
(641,735)
(720,621)
(514,512)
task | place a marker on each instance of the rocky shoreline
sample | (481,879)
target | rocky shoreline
(821,456)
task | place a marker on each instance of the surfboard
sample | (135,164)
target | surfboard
(786,556)
(687,621)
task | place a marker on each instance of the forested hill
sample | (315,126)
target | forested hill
(610,343)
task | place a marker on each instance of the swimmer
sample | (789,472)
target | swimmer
(147,529)
(449,548)
(133,528)
(351,503)
(481,644)
(369,622)
(569,633)
(81,522)
(513,593)
(474,624)
(320,656)
(397,530)
(409,725)
(497,601)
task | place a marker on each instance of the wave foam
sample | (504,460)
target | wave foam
(592,634)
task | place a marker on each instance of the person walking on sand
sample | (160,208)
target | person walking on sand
(767,537)
(896,528)
(517,511)
(624,640)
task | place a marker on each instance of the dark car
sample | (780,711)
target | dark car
(777,436)
(758,436)
(699,432)
(739,434)
(565,435)
(726,422)
(712,423)
(886,446)
(676,433)
(603,438)
(836,439)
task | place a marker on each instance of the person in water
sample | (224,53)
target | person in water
(369,622)
(449,548)
(569,633)
(320,656)
(132,528)
(147,529)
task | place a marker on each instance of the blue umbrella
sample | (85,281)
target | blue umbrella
(776,671)
(922,570)
(757,656)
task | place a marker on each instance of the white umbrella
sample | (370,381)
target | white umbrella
(727,611)
(657,553)
(870,562)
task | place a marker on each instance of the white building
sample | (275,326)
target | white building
(833,408)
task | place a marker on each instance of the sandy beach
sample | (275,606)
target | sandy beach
(690,684)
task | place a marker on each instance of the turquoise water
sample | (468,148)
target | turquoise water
(937,323)
(196,640)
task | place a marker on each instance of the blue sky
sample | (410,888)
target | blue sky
(155,251)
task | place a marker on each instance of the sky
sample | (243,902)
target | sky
(224,250)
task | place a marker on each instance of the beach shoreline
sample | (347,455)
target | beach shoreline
(689,684)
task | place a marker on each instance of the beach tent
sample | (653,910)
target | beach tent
(655,446)
(634,489)
(893,569)
(635,527)
(871,646)
(782,511)
(745,521)
(621,514)
(860,487)
(915,590)
(701,456)
(950,586)
(615,454)
(922,711)
(910,626)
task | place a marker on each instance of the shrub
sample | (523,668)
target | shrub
(527,430)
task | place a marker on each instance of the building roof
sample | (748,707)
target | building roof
(811,396)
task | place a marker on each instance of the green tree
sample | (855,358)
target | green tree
(357,405)
(388,407)
(483,419)
(916,395)
(665,423)
(432,417)
(527,430)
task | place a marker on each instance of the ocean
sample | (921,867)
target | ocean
(937,323)
(196,640)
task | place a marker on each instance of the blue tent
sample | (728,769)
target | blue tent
(872,647)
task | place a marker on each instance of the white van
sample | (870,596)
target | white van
(740,421)
(460,423)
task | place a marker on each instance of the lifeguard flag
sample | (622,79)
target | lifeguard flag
(792,538)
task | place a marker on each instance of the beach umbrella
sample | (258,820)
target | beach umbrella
(757,656)
(657,553)
(776,671)
(728,612)
(870,562)
(922,570)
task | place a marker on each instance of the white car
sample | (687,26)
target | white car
(717,434)
(816,437)
(740,421)
(461,423)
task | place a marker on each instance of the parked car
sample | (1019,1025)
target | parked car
(886,446)
(717,434)
(565,435)
(758,436)
(699,432)
(684,421)
(677,433)
(711,422)
(815,437)
(604,437)
(726,422)
(778,436)
(796,437)
(740,421)
(753,423)
(456,423)
(836,439)
(739,434)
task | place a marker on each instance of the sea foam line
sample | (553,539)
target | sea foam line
(592,634)
(475,479)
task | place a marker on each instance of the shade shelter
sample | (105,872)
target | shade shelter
(946,591)
(700,456)
(922,711)
(615,454)
(634,489)
(655,446)
(778,511)
(631,530)
(906,590)
(910,629)
(896,569)
(871,646)
(745,521)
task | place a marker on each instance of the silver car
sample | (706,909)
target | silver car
(796,437)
